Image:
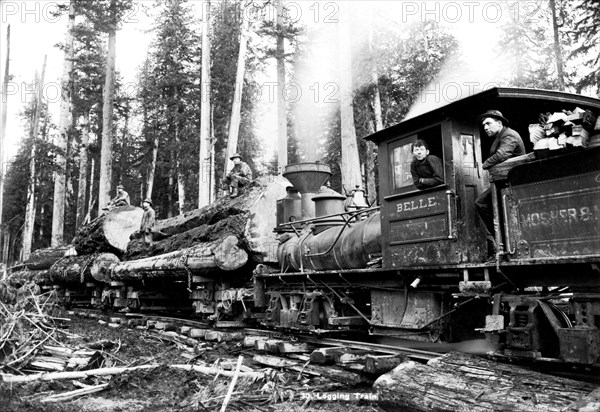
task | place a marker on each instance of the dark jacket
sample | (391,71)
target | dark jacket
(508,144)
(428,172)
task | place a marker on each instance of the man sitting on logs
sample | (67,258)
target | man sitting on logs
(122,199)
(239,177)
(148,220)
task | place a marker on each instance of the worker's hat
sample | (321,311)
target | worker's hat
(235,155)
(495,114)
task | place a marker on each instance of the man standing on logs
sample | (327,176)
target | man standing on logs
(148,219)
(239,177)
(122,198)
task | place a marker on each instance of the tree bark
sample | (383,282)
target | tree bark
(224,254)
(178,168)
(107,118)
(557,50)
(60,176)
(74,269)
(83,165)
(459,382)
(204,180)
(45,258)
(4,103)
(109,232)
(282,139)
(30,208)
(236,108)
(350,167)
(249,217)
(370,166)
(21,277)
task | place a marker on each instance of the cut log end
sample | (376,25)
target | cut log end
(228,255)
(98,268)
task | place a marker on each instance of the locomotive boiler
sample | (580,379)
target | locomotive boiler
(416,266)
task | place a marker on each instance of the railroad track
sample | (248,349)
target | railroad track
(399,347)
(317,341)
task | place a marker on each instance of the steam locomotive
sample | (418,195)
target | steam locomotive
(416,267)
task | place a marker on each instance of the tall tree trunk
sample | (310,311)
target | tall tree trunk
(171,184)
(152,166)
(88,215)
(350,167)
(178,167)
(282,139)
(83,165)
(2,136)
(211,168)
(107,119)
(204,156)
(60,176)
(236,109)
(125,147)
(180,177)
(378,125)
(30,208)
(557,49)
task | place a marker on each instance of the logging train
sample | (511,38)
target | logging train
(415,266)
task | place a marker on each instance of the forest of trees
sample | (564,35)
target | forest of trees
(150,139)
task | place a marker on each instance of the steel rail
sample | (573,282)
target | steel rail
(414,354)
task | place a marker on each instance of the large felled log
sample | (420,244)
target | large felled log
(23,276)
(109,232)
(44,258)
(250,217)
(224,254)
(460,382)
(78,269)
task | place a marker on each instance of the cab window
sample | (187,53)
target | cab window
(402,157)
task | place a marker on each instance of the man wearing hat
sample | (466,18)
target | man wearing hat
(238,177)
(507,143)
(148,219)
(122,198)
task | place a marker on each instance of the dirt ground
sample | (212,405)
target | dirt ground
(168,389)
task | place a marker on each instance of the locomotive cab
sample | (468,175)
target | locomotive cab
(542,285)
(440,226)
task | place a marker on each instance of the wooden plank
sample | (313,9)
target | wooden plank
(293,347)
(326,356)
(379,365)
(352,356)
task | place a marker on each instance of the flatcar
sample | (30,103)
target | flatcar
(416,265)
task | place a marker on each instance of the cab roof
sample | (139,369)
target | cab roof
(514,103)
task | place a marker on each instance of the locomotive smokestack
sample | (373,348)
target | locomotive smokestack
(307,178)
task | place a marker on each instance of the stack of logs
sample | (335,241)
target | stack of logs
(223,237)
